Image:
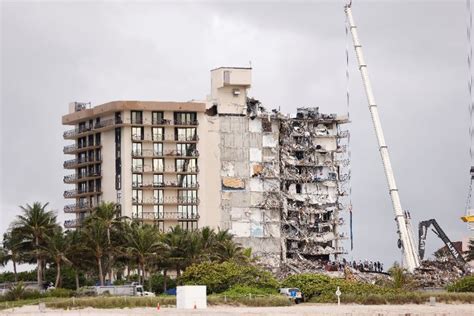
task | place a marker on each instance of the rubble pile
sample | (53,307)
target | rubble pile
(331,269)
(437,273)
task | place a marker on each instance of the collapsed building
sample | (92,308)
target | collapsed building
(282,176)
(275,181)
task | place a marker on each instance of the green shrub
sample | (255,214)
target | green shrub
(157,281)
(465,284)
(257,301)
(219,277)
(321,288)
(59,293)
(242,290)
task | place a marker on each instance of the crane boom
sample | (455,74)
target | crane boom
(406,237)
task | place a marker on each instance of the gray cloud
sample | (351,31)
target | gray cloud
(54,53)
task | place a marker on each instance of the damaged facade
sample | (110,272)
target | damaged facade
(274,180)
(282,176)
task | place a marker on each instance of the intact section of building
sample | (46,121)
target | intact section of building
(141,155)
(274,180)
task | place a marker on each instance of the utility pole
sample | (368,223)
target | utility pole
(409,250)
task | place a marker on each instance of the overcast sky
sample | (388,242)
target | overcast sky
(57,52)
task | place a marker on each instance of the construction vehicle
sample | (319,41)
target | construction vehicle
(412,259)
(423,231)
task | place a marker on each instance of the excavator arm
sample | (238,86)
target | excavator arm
(423,231)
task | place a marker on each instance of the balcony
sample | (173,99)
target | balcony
(150,169)
(169,200)
(164,185)
(77,207)
(169,154)
(160,121)
(74,178)
(71,194)
(96,127)
(72,149)
(186,123)
(165,138)
(73,133)
(165,216)
(75,163)
(72,223)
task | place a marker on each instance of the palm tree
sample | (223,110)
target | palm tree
(95,234)
(33,225)
(229,250)
(57,248)
(12,251)
(143,243)
(109,214)
(177,243)
(78,253)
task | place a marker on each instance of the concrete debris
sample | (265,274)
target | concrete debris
(332,269)
(437,274)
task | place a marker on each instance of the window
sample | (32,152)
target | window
(137,165)
(185,118)
(157,180)
(226,76)
(158,165)
(137,149)
(186,165)
(159,212)
(137,211)
(137,133)
(188,181)
(187,196)
(185,134)
(137,117)
(157,196)
(157,133)
(183,149)
(137,196)
(157,118)
(298,188)
(137,180)
(157,149)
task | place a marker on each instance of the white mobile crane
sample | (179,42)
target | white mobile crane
(412,258)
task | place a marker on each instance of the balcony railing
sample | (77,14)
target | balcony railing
(111,122)
(71,178)
(160,185)
(169,200)
(168,153)
(72,223)
(165,138)
(73,162)
(179,122)
(76,207)
(165,216)
(69,148)
(150,169)
(74,193)
(160,121)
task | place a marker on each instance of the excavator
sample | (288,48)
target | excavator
(423,231)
